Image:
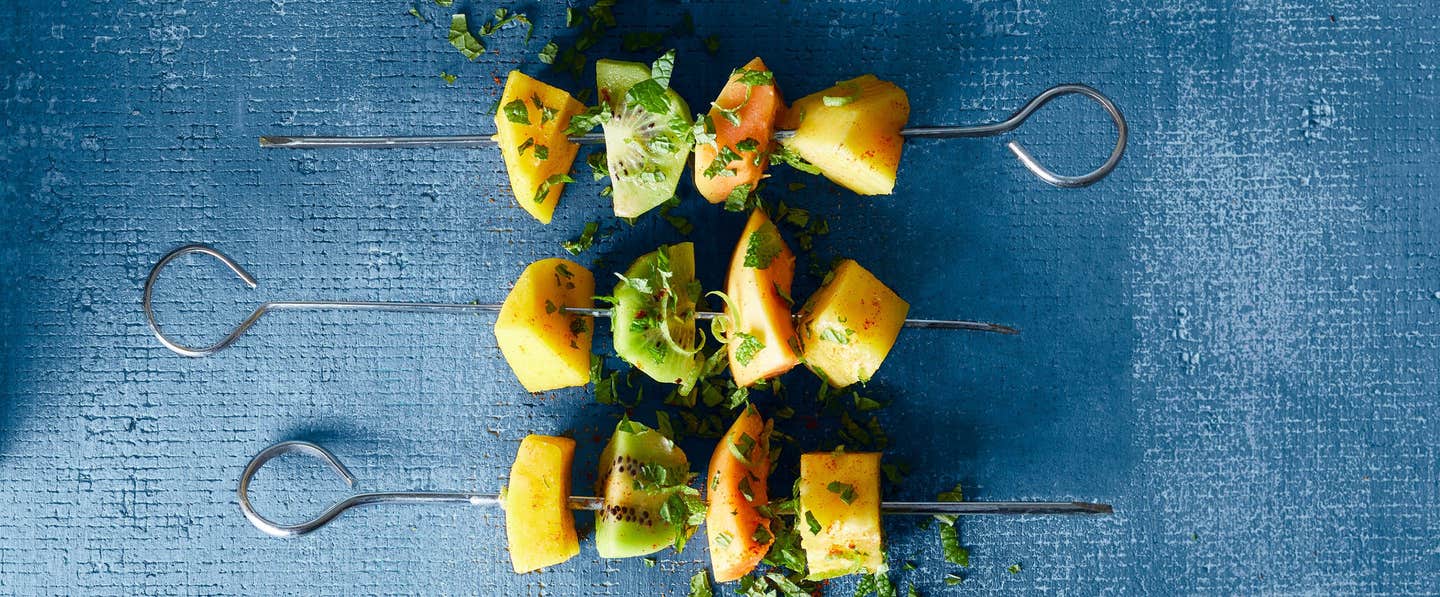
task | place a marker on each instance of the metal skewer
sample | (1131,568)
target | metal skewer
(410,307)
(276,529)
(927,132)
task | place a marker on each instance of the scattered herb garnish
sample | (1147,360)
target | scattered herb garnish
(414,12)
(762,247)
(953,579)
(700,583)
(544,189)
(812,523)
(1014,568)
(846,491)
(449,78)
(747,349)
(740,198)
(852,92)
(784,155)
(586,240)
(516,112)
(461,38)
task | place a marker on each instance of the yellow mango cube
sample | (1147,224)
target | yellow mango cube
(538,522)
(840,496)
(547,347)
(851,132)
(849,325)
(530,129)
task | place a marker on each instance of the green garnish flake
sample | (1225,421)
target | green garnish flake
(449,78)
(662,67)
(762,248)
(836,335)
(712,44)
(747,349)
(700,583)
(461,38)
(720,166)
(747,145)
(649,95)
(784,155)
(641,40)
(444,3)
(1014,568)
(739,198)
(762,535)
(752,78)
(812,523)
(846,491)
(742,447)
(586,240)
(542,152)
(516,112)
(547,53)
(949,535)
(577,325)
(724,539)
(953,579)
(546,112)
(545,187)
(415,12)
(745,490)
(550,307)
(586,121)
(852,93)
(649,562)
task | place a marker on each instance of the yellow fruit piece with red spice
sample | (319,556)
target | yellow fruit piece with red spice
(530,128)
(547,347)
(849,325)
(851,132)
(539,525)
(839,513)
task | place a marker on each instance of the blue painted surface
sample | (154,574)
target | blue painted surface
(1233,339)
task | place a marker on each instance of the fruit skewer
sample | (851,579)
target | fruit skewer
(409,307)
(921,132)
(576,502)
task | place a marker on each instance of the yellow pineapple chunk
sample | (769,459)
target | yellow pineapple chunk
(840,494)
(849,325)
(546,347)
(856,141)
(530,129)
(538,522)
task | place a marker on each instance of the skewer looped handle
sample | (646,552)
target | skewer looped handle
(276,529)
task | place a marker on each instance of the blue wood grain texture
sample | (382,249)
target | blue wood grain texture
(1234,339)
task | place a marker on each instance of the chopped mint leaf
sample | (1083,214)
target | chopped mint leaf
(641,40)
(912,592)
(586,240)
(754,77)
(739,198)
(550,307)
(547,53)
(650,95)
(953,579)
(846,491)
(747,145)
(414,12)
(795,186)
(544,190)
(586,121)
(649,562)
(950,546)
(663,66)
(444,3)
(747,349)
(546,112)
(720,166)
(784,155)
(542,152)
(599,168)
(1014,568)
(723,539)
(461,38)
(852,93)
(516,112)
(812,523)
(762,535)
(838,336)
(742,447)
(700,583)
(449,78)
(783,294)
(763,246)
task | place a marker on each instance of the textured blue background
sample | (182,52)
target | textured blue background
(1234,338)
